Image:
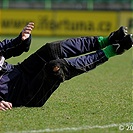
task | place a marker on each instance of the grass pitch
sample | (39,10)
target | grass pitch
(100,97)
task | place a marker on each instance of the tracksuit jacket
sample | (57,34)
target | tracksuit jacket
(10,48)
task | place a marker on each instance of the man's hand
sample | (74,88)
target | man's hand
(5,105)
(27,30)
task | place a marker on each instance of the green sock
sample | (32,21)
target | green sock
(109,51)
(103,41)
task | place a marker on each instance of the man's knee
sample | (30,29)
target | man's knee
(50,51)
(61,70)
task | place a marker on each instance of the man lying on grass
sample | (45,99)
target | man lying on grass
(33,81)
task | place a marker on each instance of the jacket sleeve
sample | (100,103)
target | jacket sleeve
(14,47)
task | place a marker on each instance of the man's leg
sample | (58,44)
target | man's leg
(78,46)
(90,61)
(67,68)
(82,45)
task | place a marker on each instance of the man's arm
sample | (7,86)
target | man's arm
(18,45)
(14,47)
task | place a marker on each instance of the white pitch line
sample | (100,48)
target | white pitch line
(48,130)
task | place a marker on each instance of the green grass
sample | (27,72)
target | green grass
(102,96)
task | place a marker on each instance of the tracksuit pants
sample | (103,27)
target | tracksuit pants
(32,86)
(81,47)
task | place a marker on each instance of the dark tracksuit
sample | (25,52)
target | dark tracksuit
(32,82)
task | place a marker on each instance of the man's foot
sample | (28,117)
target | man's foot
(124,44)
(118,35)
